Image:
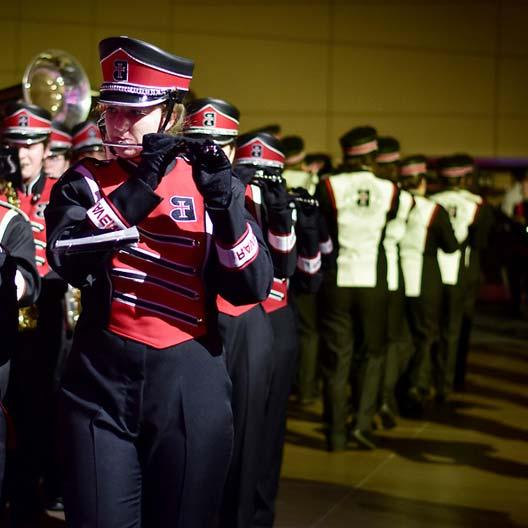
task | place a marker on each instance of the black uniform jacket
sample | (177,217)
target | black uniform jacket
(66,218)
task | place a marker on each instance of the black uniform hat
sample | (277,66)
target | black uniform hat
(359,141)
(455,166)
(136,73)
(293,148)
(213,118)
(413,166)
(60,138)
(26,124)
(388,150)
(259,150)
(87,137)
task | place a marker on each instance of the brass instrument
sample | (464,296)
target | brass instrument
(56,81)
(27,315)
(72,301)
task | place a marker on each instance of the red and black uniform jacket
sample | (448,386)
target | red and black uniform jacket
(162,290)
(17,267)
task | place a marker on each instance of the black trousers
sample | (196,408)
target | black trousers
(308,336)
(33,404)
(248,351)
(425,318)
(4,379)
(284,361)
(399,346)
(468,313)
(146,433)
(451,321)
(351,318)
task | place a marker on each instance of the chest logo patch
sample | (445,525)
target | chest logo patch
(183,209)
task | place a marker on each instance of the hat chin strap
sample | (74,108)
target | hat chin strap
(171,101)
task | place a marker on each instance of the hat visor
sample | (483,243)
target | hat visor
(24,139)
(133,100)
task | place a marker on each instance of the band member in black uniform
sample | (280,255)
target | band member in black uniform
(58,154)
(87,142)
(19,283)
(428,229)
(247,337)
(479,234)
(305,303)
(463,213)
(399,339)
(146,414)
(28,128)
(357,206)
(259,161)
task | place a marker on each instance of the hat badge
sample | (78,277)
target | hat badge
(23,120)
(120,71)
(209,119)
(256,151)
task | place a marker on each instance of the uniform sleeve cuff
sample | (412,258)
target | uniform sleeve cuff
(240,254)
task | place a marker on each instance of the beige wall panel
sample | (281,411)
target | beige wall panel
(8,78)
(76,40)
(369,80)
(513,137)
(263,20)
(8,44)
(513,30)
(431,136)
(133,14)
(9,10)
(434,25)
(513,89)
(57,11)
(311,128)
(258,75)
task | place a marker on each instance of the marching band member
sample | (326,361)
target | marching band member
(58,153)
(357,206)
(463,213)
(87,142)
(399,339)
(19,287)
(259,161)
(428,230)
(147,422)
(247,338)
(28,128)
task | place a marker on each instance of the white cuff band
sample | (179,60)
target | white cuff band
(309,265)
(241,254)
(282,243)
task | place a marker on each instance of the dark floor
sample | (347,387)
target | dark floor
(466,467)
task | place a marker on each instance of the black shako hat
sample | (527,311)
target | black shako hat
(359,141)
(213,118)
(26,124)
(412,166)
(260,150)
(274,129)
(60,140)
(455,166)
(136,73)
(86,137)
(293,148)
(388,150)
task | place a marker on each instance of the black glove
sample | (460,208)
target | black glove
(159,150)
(275,196)
(307,227)
(212,171)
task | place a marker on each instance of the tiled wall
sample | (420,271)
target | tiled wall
(439,75)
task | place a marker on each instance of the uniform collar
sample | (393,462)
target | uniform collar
(36,186)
